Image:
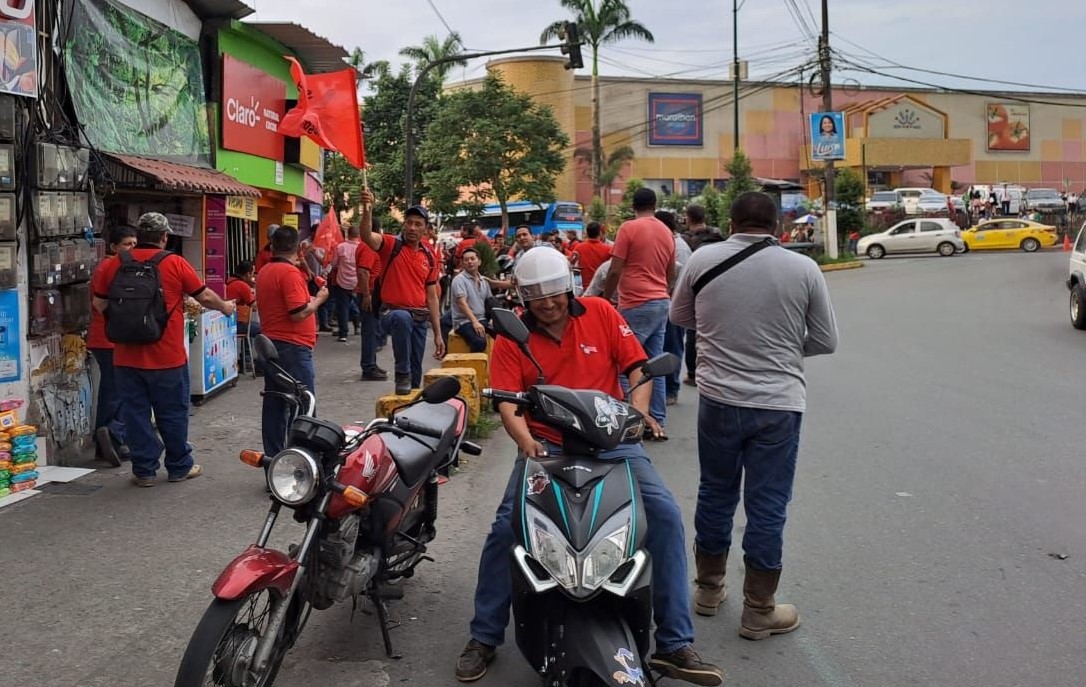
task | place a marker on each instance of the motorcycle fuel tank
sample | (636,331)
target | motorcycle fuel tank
(369,467)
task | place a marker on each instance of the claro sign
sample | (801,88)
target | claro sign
(253,104)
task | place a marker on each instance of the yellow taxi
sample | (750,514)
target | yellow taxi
(1001,234)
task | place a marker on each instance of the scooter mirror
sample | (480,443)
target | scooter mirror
(441,390)
(506,323)
(661,366)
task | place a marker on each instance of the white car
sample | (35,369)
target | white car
(881,201)
(928,235)
(1076,280)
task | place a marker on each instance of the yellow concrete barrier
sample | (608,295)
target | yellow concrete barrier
(469,386)
(387,404)
(457,344)
(838,266)
(476,361)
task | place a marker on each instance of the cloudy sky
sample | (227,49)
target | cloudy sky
(1031,43)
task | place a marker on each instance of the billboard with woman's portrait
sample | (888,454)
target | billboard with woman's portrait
(827,136)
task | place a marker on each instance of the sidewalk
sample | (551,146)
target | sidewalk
(104,582)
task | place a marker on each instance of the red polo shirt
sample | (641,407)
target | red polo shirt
(263,257)
(596,347)
(593,253)
(404,280)
(366,258)
(178,278)
(96,332)
(240,291)
(281,291)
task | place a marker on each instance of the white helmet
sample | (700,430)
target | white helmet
(542,273)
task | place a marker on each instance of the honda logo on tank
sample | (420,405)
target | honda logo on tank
(253,104)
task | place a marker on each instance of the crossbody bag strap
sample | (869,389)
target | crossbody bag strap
(731,262)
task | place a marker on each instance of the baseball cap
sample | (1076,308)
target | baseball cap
(154,221)
(417,210)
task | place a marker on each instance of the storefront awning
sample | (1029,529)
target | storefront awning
(159,175)
(317,54)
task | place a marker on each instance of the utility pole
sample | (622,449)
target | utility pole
(735,72)
(827,92)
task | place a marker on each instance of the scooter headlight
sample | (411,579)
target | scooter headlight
(550,549)
(293,476)
(604,557)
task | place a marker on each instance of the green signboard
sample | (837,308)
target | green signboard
(137,85)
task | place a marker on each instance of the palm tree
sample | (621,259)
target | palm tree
(611,169)
(432,50)
(601,22)
(366,70)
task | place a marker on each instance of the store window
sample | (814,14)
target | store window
(663,187)
(692,187)
(241,243)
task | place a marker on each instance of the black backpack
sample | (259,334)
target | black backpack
(137,306)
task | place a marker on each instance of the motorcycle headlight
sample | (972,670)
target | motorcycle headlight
(604,557)
(550,549)
(559,413)
(293,476)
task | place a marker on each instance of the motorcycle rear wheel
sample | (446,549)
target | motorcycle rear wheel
(223,643)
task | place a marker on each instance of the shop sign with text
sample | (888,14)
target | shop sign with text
(675,119)
(253,104)
(242,207)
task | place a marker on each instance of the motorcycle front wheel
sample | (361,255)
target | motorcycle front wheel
(222,647)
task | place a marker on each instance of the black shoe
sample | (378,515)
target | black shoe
(374,375)
(107,448)
(403,384)
(686,665)
(473,661)
(342,339)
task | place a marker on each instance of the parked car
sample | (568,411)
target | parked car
(928,235)
(999,234)
(932,201)
(1076,280)
(882,201)
(1045,200)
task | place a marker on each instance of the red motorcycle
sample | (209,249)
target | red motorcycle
(368,496)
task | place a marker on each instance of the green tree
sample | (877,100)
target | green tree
(492,143)
(433,49)
(849,191)
(612,168)
(597,211)
(488,259)
(383,113)
(710,200)
(625,208)
(741,180)
(366,70)
(342,184)
(601,22)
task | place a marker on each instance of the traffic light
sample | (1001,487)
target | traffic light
(571,45)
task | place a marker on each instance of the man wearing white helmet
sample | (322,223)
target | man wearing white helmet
(580,343)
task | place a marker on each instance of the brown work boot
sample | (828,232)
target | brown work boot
(473,661)
(686,665)
(710,591)
(762,616)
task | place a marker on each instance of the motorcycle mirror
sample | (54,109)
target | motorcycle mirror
(661,366)
(441,390)
(506,323)
(264,350)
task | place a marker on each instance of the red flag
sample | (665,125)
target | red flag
(328,236)
(327,112)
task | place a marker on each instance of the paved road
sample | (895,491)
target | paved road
(940,482)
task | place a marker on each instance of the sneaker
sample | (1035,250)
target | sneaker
(672,400)
(107,448)
(374,375)
(403,384)
(194,472)
(473,661)
(686,665)
(342,339)
(144,481)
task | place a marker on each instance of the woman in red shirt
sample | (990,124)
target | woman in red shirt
(109,431)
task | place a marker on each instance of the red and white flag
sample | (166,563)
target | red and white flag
(327,112)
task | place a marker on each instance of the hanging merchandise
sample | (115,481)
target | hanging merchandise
(22,465)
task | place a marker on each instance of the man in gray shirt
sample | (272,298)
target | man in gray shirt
(755,322)
(469,292)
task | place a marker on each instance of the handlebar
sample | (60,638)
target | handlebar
(498,396)
(409,425)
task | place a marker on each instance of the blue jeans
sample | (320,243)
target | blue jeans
(665,542)
(107,412)
(275,413)
(408,343)
(324,314)
(446,326)
(674,339)
(476,343)
(370,324)
(341,302)
(649,323)
(756,449)
(166,392)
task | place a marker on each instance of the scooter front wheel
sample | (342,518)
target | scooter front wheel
(221,651)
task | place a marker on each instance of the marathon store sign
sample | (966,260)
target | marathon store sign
(675,119)
(253,104)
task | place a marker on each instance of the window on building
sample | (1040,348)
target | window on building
(692,187)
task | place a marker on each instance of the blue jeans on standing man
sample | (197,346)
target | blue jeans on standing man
(275,413)
(674,340)
(370,324)
(756,449)
(341,303)
(649,323)
(166,392)
(107,410)
(665,542)
(408,343)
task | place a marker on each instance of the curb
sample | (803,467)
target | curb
(838,266)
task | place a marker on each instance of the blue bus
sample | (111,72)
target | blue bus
(541,217)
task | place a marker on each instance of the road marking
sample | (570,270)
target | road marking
(827,669)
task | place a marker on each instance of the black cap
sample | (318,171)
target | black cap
(417,210)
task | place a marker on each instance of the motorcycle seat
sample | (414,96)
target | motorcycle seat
(414,460)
